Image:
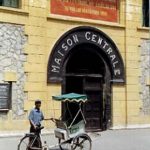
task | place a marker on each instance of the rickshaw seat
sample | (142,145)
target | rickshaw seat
(61,124)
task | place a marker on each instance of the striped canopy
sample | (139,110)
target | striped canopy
(71,97)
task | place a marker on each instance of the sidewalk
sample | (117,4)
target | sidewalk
(12,134)
(128,139)
(131,139)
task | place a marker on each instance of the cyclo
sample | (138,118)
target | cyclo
(70,132)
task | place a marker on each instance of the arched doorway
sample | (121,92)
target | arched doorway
(85,60)
(85,73)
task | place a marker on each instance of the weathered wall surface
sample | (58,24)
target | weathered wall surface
(12,58)
(144,79)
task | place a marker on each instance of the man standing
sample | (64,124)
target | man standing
(36,116)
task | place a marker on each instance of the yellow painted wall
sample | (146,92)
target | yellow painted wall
(44,29)
(134,33)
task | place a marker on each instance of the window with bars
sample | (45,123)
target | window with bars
(10,3)
(146,13)
(5,96)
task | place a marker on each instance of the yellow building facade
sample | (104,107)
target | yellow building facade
(30,37)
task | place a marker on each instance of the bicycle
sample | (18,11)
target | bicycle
(71,136)
(34,141)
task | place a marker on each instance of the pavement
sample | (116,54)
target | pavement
(128,139)
(138,139)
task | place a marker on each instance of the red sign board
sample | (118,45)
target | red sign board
(106,10)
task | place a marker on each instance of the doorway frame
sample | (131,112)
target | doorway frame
(107,109)
(56,65)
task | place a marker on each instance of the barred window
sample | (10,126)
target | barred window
(146,16)
(5,96)
(9,3)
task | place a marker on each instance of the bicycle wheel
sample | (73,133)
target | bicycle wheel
(30,143)
(64,145)
(81,142)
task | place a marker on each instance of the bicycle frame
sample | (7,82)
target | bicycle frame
(79,111)
(35,137)
(43,143)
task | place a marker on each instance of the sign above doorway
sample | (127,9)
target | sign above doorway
(85,35)
(106,10)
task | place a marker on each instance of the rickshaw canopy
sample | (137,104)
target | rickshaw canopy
(71,97)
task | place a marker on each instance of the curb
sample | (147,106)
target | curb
(22,133)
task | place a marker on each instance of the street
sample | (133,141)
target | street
(135,139)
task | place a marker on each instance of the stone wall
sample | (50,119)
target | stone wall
(12,58)
(145,87)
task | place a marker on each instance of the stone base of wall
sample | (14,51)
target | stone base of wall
(136,126)
(12,58)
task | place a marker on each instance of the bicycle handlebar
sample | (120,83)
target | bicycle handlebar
(52,119)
